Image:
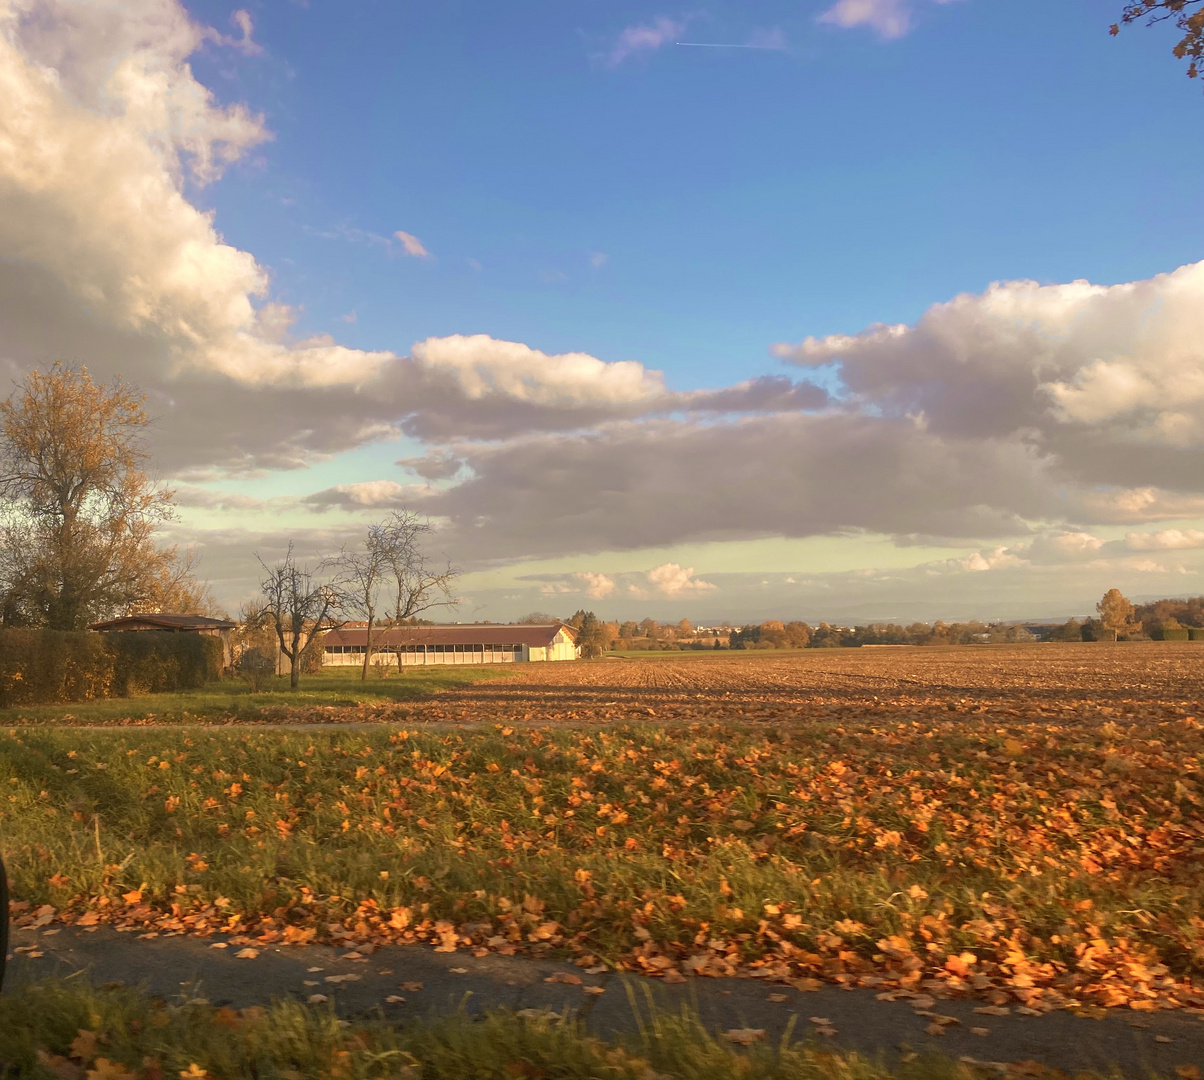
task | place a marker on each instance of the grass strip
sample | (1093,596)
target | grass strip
(232,700)
(1039,864)
(56,1030)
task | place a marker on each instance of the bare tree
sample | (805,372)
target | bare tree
(363,571)
(415,582)
(296,606)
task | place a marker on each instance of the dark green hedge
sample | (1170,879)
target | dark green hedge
(1196,633)
(41,667)
(1168,633)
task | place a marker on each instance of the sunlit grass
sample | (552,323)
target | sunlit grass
(841,852)
(232,698)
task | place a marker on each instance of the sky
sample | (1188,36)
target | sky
(851,310)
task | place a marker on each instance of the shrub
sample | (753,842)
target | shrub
(255,667)
(39,667)
(1175,633)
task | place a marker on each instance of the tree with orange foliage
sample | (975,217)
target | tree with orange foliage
(1116,615)
(78,543)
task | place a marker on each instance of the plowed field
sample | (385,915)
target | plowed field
(1090,681)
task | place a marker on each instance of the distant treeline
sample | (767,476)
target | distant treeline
(1159,620)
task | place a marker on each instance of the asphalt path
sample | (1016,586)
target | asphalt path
(407,982)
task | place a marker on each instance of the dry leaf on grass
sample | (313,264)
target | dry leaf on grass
(317,999)
(744,1036)
(980,1031)
(395,999)
(411,987)
(566,977)
(247,954)
(935,1029)
(595,989)
(84,1046)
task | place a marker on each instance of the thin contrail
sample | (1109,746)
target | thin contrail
(711,45)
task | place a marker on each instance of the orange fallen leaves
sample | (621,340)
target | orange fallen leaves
(765,826)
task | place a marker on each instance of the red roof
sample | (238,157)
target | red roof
(160,621)
(532,636)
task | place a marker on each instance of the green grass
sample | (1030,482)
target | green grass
(55,1029)
(231,698)
(799,847)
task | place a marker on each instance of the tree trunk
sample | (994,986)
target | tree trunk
(367,651)
(294,669)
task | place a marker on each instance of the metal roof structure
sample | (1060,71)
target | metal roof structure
(159,621)
(472,634)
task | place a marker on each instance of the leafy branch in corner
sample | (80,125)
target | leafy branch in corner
(1191,22)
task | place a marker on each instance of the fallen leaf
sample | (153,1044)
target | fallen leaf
(342,978)
(1163,1039)
(317,999)
(566,977)
(935,1029)
(993,1010)
(309,982)
(980,1031)
(105,1069)
(823,1021)
(458,971)
(247,954)
(84,1045)
(744,1036)
(395,999)
(411,987)
(595,989)
(1187,1072)
(776,997)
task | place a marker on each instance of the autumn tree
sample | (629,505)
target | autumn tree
(80,510)
(1188,16)
(296,606)
(1116,615)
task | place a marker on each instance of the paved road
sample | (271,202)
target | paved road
(194,967)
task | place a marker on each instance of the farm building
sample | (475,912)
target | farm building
(174,624)
(470,644)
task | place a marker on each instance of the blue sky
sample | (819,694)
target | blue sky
(739,197)
(562,202)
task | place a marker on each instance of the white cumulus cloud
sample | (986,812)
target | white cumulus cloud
(645,38)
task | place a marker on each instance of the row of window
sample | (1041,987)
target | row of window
(465,649)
